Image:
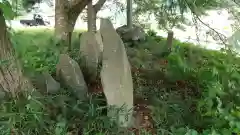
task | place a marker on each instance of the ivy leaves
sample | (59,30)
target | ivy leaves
(6,9)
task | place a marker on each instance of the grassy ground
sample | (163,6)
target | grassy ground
(191,91)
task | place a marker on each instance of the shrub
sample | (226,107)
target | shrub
(192,90)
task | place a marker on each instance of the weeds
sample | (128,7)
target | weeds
(192,91)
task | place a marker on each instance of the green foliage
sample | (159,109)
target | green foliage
(28,3)
(171,13)
(6,8)
(207,103)
(19,6)
(198,93)
(58,114)
(38,50)
(38,53)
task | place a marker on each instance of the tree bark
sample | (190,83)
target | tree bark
(129,14)
(90,17)
(11,76)
(170,40)
(66,14)
(92,14)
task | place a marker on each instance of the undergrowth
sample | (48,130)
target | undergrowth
(193,91)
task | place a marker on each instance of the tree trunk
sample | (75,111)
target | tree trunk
(11,76)
(170,40)
(63,24)
(129,14)
(92,17)
(92,14)
(66,14)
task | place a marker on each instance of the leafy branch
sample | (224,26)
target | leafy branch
(196,17)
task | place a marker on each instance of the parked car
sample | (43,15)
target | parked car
(36,21)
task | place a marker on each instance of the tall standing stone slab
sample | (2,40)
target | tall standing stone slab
(90,52)
(116,74)
(99,40)
(70,74)
(100,43)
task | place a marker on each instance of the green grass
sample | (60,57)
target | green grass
(37,49)
(198,93)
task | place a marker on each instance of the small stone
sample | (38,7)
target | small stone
(134,34)
(52,86)
(70,74)
(2,94)
(45,82)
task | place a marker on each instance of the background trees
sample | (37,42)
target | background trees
(191,90)
(171,13)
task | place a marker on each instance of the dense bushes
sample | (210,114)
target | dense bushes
(193,91)
(206,84)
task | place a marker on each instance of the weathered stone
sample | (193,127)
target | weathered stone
(116,76)
(52,86)
(45,82)
(2,93)
(100,44)
(90,52)
(134,34)
(99,40)
(38,81)
(70,74)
